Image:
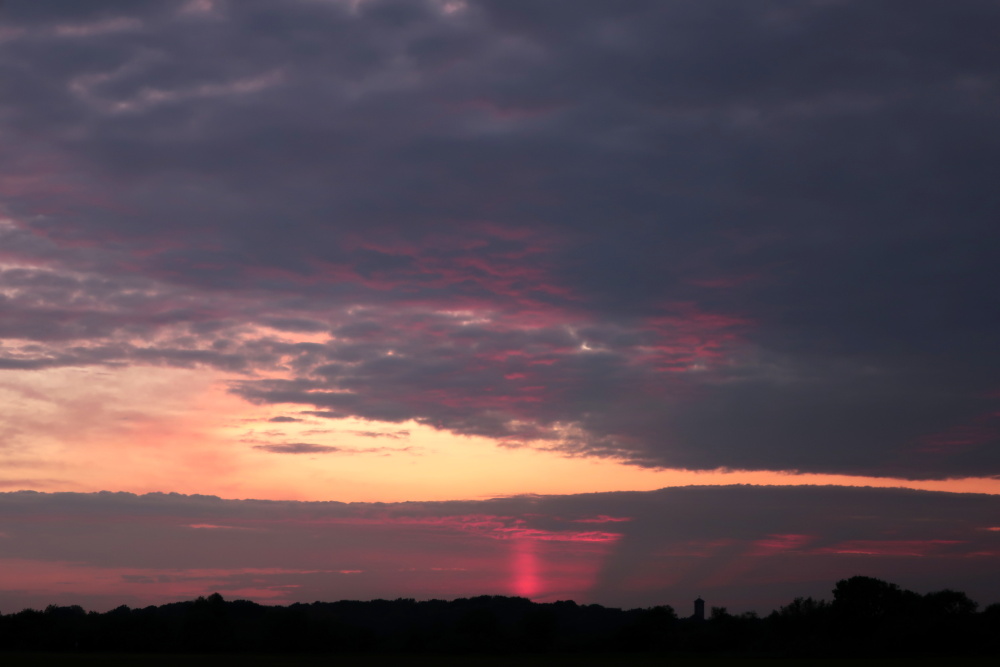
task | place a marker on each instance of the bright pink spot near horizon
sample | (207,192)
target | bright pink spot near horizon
(774,544)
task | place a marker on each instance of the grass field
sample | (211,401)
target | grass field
(546,660)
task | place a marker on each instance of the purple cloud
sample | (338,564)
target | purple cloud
(695,236)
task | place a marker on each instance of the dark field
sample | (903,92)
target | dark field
(540,660)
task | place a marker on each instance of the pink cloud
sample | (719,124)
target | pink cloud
(499,111)
(725,281)
(691,338)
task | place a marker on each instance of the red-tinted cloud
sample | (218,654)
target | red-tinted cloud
(582,229)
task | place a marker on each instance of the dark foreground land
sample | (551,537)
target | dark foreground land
(867,619)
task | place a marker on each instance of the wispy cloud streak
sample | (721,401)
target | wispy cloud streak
(693,236)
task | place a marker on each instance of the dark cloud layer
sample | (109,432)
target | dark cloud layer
(700,235)
(299,448)
(742,547)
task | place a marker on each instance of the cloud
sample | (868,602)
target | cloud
(299,448)
(212,526)
(743,547)
(311,448)
(395,435)
(691,235)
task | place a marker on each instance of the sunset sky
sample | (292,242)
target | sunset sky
(620,301)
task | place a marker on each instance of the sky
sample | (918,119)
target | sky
(624,302)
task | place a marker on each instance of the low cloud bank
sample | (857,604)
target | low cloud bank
(744,547)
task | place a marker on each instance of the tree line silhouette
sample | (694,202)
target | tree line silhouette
(867,617)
